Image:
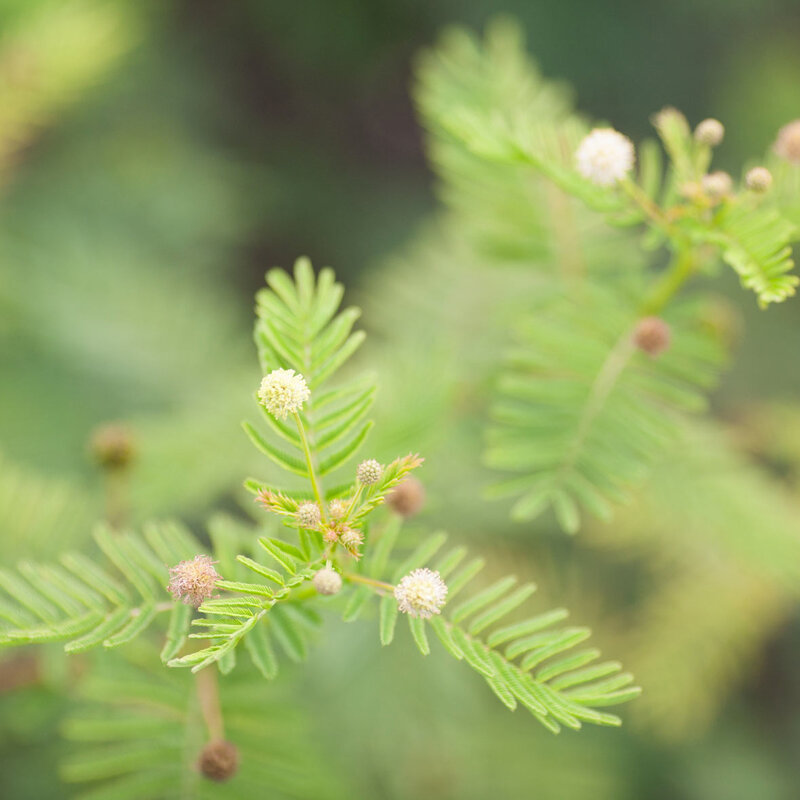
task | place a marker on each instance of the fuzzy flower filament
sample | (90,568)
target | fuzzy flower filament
(193,581)
(605,156)
(421,593)
(283,392)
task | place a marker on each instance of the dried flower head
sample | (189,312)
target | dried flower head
(787,145)
(283,392)
(337,508)
(717,185)
(112,446)
(758,179)
(218,761)
(351,539)
(422,593)
(369,472)
(193,581)
(327,581)
(605,156)
(308,515)
(407,498)
(652,335)
(710,132)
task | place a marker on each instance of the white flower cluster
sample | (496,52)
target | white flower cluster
(605,156)
(369,472)
(422,593)
(283,392)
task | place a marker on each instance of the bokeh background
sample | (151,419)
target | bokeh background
(157,157)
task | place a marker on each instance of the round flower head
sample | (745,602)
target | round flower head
(407,498)
(193,581)
(327,581)
(787,145)
(422,593)
(283,392)
(709,132)
(717,185)
(652,335)
(218,761)
(758,179)
(337,508)
(605,156)
(308,515)
(369,472)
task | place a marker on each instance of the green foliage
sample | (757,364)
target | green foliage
(298,328)
(136,732)
(581,413)
(86,605)
(526,661)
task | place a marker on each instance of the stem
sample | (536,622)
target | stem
(208,695)
(116,491)
(310,464)
(352,576)
(669,282)
(650,208)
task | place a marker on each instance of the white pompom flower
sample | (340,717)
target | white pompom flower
(283,392)
(422,593)
(605,156)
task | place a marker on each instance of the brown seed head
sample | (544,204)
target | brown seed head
(407,498)
(652,335)
(218,761)
(112,446)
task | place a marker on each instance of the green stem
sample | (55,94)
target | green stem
(352,576)
(669,282)
(310,464)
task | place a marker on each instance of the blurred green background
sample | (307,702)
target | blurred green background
(157,157)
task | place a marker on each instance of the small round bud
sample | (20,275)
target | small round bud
(758,179)
(330,535)
(327,581)
(369,472)
(351,539)
(652,335)
(717,185)
(308,515)
(691,190)
(709,132)
(218,761)
(422,593)
(407,498)
(283,392)
(337,508)
(193,581)
(605,156)
(787,145)
(112,446)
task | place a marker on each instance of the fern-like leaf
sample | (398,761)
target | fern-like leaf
(581,413)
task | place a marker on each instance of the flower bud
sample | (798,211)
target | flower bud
(758,180)
(308,515)
(710,132)
(337,508)
(193,581)
(717,185)
(787,145)
(327,581)
(407,498)
(112,446)
(219,761)
(351,540)
(369,472)
(652,335)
